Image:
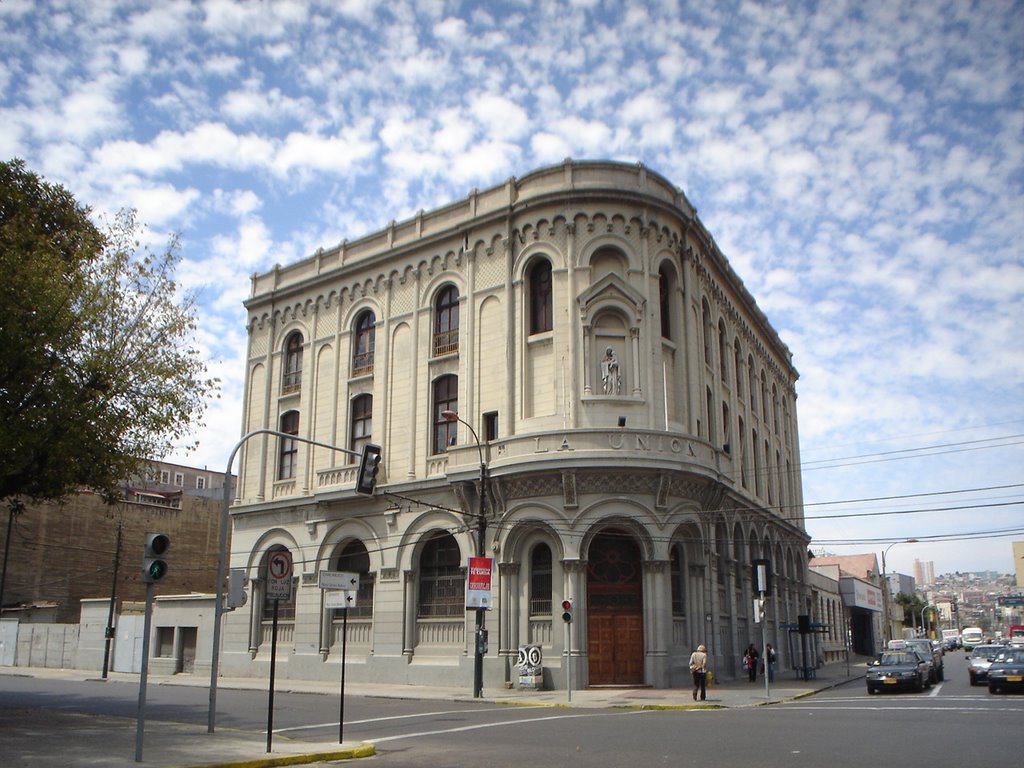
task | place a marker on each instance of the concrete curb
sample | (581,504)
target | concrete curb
(347,753)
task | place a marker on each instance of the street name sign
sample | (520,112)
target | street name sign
(339,580)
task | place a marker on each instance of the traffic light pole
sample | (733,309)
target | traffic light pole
(140,717)
(222,557)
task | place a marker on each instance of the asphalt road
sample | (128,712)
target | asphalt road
(951,724)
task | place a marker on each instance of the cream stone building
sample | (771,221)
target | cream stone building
(631,407)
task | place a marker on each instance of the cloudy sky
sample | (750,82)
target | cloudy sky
(860,163)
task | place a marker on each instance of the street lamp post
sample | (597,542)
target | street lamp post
(222,559)
(886,592)
(481,532)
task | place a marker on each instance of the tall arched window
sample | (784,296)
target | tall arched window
(355,559)
(737,368)
(664,303)
(705,311)
(364,342)
(292,380)
(446,398)
(723,357)
(362,423)
(540,296)
(678,583)
(441,579)
(446,321)
(752,383)
(288,455)
(540,580)
(766,411)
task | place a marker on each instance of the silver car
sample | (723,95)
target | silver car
(980,660)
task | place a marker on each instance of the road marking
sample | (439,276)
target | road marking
(894,708)
(385,719)
(464,728)
(935,691)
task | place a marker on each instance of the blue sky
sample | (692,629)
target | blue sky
(861,164)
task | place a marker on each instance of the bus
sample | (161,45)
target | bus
(971,636)
(1016,636)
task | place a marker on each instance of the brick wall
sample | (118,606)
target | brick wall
(62,553)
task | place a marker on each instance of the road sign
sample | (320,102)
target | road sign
(279,575)
(339,598)
(339,580)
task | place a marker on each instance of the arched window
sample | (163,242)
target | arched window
(664,305)
(446,321)
(737,358)
(540,296)
(285,608)
(723,357)
(726,428)
(678,582)
(355,559)
(766,411)
(752,383)
(711,415)
(706,318)
(442,581)
(540,580)
(446,398)
(292,381)
(775,408)
(362,349)
(362,423)
(741,447)
(288,455)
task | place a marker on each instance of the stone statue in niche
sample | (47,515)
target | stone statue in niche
(610,380)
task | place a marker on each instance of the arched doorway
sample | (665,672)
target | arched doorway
(615,610)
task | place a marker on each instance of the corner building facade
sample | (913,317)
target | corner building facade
(632,409)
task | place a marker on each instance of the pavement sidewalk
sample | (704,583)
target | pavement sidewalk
(29,739)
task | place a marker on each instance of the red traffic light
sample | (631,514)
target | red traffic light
(567,611)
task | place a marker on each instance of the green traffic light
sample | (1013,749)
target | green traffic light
(157,570)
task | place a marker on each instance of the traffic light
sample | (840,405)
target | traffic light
(567,611)
(238,582)
(369,465)
(154,557)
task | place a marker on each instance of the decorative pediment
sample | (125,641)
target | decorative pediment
(612,291)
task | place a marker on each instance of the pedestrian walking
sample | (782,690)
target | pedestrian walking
(769,662)
(699,668)
(750,662)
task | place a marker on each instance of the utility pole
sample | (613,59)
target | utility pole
(109,633)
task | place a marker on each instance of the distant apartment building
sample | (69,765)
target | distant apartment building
(924,572)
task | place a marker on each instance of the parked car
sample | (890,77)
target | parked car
(979,661)
(937,672)
(1006,673)
(898,669)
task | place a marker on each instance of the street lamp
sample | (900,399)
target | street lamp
(481,531)
(886,592)
(222,558)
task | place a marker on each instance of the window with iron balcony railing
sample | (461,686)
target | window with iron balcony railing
(446,342)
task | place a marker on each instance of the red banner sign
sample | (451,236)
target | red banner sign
(478,591)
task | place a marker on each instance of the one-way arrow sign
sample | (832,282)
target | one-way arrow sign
(339,580)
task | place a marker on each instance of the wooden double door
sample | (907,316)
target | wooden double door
(615,610)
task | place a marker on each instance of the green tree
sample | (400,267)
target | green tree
(98,370)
